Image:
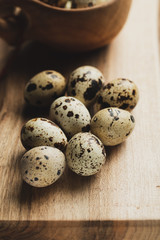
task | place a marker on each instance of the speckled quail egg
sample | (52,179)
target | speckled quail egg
(41,131)
(112,125)
(85,154)
(87,3)
(84,84)
(58,3)
(44,88)
(121,92)
(71,115)
(42,166)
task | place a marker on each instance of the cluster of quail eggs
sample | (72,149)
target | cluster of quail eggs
(69,4)
(70,136)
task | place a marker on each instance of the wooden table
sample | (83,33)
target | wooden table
(123,200)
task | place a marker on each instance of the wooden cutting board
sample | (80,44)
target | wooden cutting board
(123,200)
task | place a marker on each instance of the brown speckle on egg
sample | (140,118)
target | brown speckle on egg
(132,118)
(46,157)
(67,100)
(70,114)
(58,172)
(31,87)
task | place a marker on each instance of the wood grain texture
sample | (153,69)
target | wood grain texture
(123,200)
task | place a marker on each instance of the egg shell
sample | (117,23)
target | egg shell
(112,125)
(121,92)
(42,166)
(84,84)
(44,88)
(85,154)
(71,115)
(41,131)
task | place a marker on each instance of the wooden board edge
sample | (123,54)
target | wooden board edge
(99,230)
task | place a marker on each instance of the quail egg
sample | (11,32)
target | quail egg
(42,166)
(84,84)
(85,154)
(121,92)
(41,131)
(71,115)
(112,125)
(44,88)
